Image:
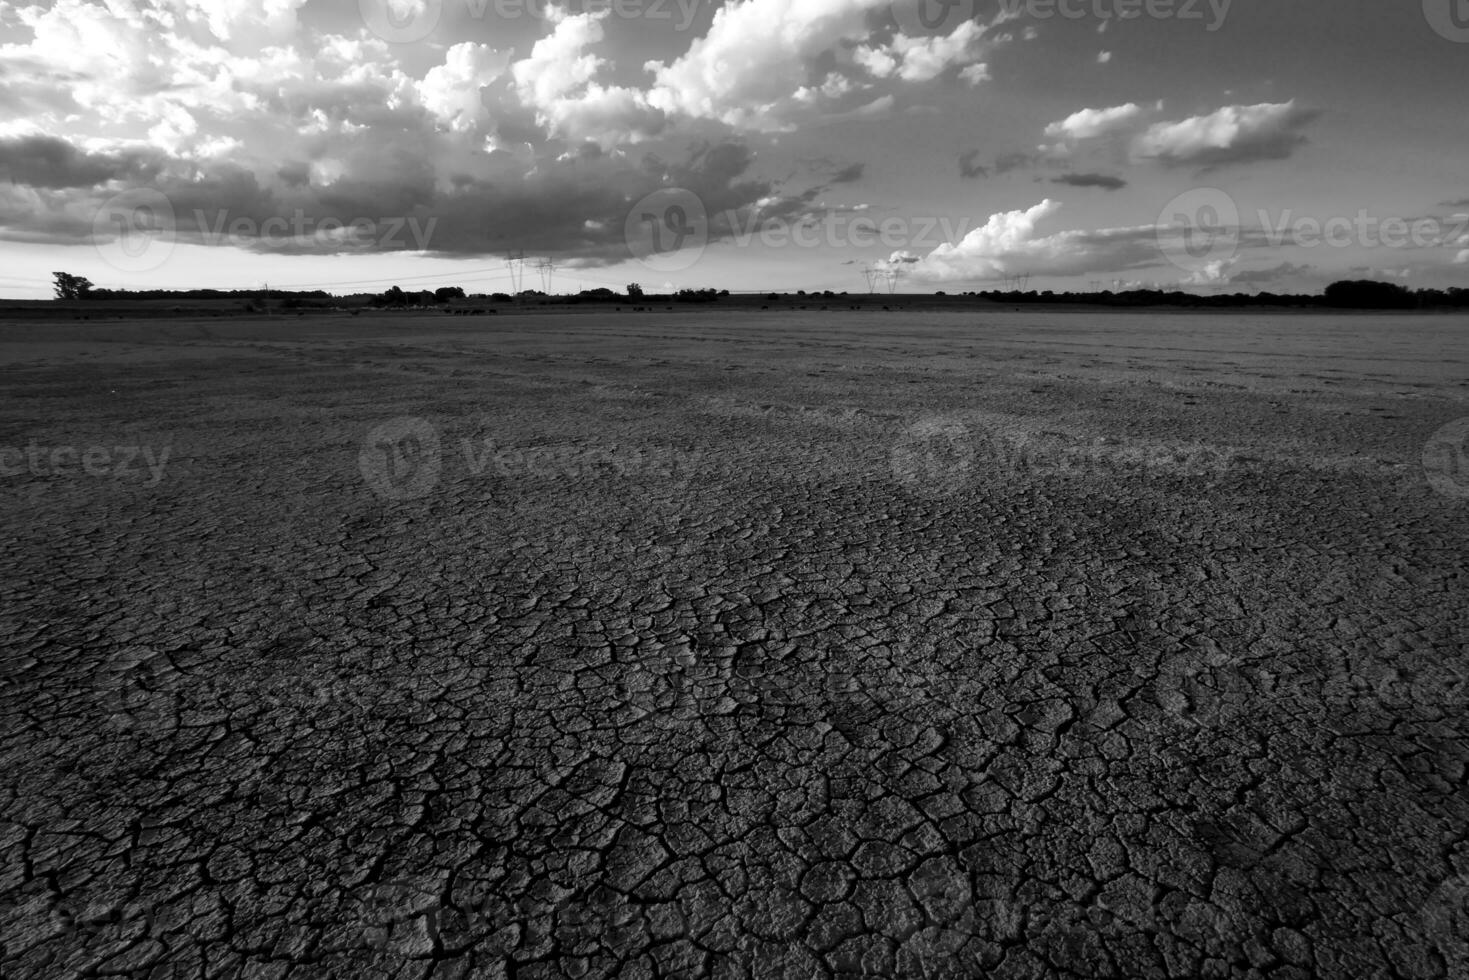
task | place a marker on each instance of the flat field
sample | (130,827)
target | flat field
(758,644)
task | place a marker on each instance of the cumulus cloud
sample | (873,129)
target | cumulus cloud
(744,71)
(751,70)
(244,109)
(573,206)
(1215,273)
(452,91)
(1233,134)
(1095,123)
(922,59)
(1010,244)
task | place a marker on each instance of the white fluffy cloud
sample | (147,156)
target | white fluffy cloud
(1095,123)
(745,70)
(922,59)
(751,69)
(247,108)
(1233,134)
(557,82)
(452,91)
(1009,244)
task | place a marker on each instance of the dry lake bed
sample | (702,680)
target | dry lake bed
(788,644)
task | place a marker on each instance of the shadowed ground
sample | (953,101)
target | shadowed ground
(741,645)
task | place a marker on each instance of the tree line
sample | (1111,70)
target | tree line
(1358,294)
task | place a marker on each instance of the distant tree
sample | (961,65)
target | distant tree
(1367,295)
(69,286)
(445,293)
(393,297)
(634,291)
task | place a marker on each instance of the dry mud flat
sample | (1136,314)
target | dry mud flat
(951,645)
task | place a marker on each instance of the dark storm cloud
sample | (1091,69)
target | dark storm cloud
(571,206)
(1104,181)
(54,164)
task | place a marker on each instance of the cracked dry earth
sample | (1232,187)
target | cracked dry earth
(1002,645)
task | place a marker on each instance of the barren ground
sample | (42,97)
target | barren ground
(1004,645)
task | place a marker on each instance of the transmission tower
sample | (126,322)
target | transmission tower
(893,275)
(547,269)
(872,276)
(515,261)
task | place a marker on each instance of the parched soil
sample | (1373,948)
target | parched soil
(766,645)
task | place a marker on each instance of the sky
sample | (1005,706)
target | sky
(758,145)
